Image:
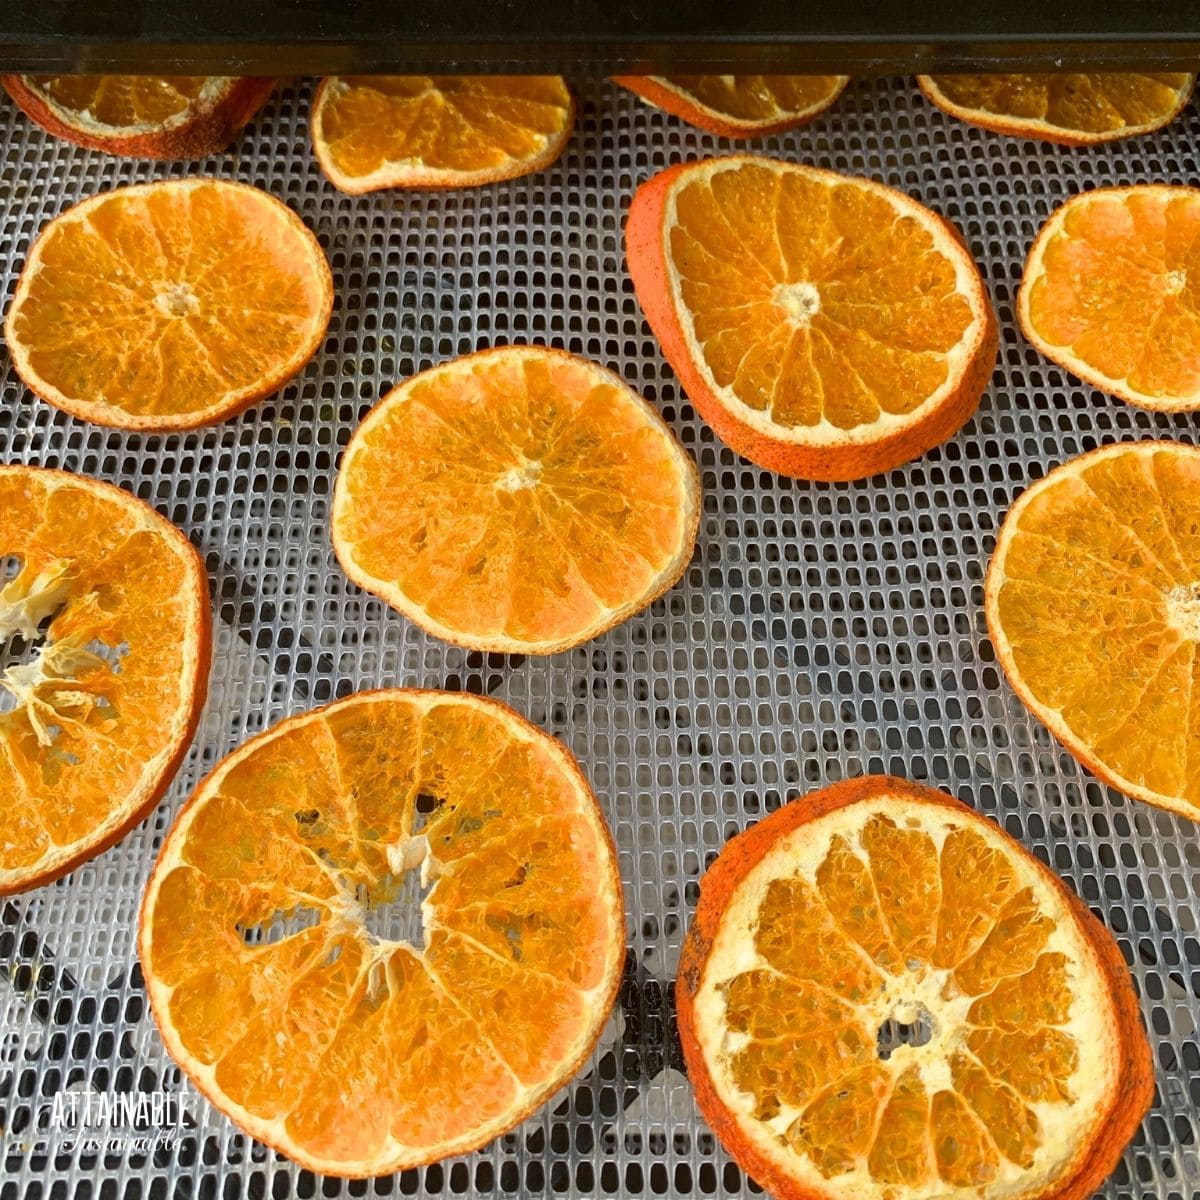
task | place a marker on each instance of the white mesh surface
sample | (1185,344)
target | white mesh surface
(821,630)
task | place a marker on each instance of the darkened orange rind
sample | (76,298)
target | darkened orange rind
(1041,130)
(207,130)
(676,102)
(145,804)
(738,858)
(646,254)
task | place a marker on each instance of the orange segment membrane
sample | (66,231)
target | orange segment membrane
(123,101)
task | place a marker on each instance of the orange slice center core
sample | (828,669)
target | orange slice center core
(801,301)
(177,300)
(1183,609)
(1176,282)
(45,683)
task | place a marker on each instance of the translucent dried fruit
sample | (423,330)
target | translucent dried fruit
(1093,605)
(385,931)
(438,131)
(996,1051)
(106,627)
(1069,107)
(517,500)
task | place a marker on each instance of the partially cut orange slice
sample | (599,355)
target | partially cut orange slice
(141,116)
(1068,107)
(883,997)
(168,305)
(827,327)
(438,131)
(1093,605)
(519,500)
(739,106)
(106,628)
(315,996)
(1111,291)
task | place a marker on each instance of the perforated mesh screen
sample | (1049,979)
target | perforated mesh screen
(821,631)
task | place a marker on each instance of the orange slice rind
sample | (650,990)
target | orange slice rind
(141,116)
(518,500)
(1070,108)
(1092,608)
(438,131)
(170,305)
(107,629)
(739,106)
(883,995)
(1111,291)
(357,1050)
(826,327)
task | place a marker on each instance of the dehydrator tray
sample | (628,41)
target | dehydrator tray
(821,631)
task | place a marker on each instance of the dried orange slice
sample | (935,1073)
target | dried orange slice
(105,625)
(739,106)
(1093,605)
(1111,291)
(826,327)
(168,305)
(519,500)
(883,995)
(438,131)
(300,986)
(1069,108)
(141,116)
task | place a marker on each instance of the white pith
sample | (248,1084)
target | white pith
(409,852)
(825,433)
(1067,1129)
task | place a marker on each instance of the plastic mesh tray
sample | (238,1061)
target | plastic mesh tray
(821,631)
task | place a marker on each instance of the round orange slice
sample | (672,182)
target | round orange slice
(884,997)
(141,116)
(1069,108)
(519,500)
(105,622)
(438,131)
(739,106)
(1111,291)
(309,990)
(826,327)
(168,305)
(1093,605)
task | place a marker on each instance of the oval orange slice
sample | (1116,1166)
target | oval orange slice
(826,327)
(882,995)
(170,305)
(1068,107)
(105,618)
(739,106)
(519,500)
(141,116)
(1093,606)
(1111,291)
(296,980)
(438,131)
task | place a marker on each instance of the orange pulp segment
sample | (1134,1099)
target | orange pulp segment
(519,500)
(297,982)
